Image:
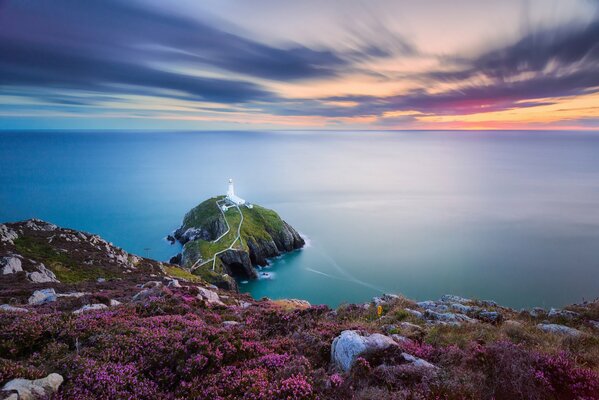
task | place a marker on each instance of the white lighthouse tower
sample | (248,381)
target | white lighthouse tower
(232,199)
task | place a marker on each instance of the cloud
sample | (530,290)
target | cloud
(120,47)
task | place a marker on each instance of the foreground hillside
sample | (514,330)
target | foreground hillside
(118,326)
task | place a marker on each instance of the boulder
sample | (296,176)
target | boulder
(209,296)
(350,344)
(91,307)
(151,284)
(554,312)
(174,283)
(42,275)
(9,308)
(462,308)
(559,329)
(42,296)
(415,313)
(114,303)
(10,265)
(34,389)
(447,317)
(230,323)
(537,312)
(418,362)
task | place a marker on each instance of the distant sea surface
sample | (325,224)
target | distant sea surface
(508,216)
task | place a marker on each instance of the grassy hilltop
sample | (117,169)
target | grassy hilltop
(262,234)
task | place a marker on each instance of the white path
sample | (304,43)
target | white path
(238,237)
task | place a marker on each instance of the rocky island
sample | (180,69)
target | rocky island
(221,242)
(83,319)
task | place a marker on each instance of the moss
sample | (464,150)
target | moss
(63,266)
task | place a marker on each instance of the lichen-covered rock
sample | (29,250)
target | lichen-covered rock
(27,389)
(418,362)
(350,344)
(42,296)
(555,313)
(559,329)
(10,265)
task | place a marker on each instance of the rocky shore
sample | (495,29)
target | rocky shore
(150,330)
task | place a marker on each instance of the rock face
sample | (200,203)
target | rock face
(238,263)
(349,345)
(42,275)
(25,389)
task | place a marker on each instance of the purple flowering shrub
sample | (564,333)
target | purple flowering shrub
(175,346)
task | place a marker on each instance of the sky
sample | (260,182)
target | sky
(278,64)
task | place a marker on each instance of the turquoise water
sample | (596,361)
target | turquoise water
(509,216)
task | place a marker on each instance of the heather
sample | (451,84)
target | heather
(176,346)
(149,330)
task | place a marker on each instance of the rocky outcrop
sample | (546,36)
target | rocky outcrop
(91,307)
(26,389)
(42,275)
(209,230)
(349,345)
(7,234)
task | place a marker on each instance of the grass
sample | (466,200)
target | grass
(63,266)
(258,224)
(176,272)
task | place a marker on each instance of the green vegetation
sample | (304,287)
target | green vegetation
(63,266)
(181,273)
(258,224)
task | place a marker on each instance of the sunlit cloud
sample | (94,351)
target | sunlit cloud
(384,65)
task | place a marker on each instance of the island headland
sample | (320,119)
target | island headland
(81,318)
(226,237)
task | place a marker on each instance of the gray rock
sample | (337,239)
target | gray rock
(384,299)
(427,305)
(400,338)
(9,308)
(10,265)
(415,313)
(34,389)
(553,312)
(450,298)
(91,307)
(559,329)
(462,308)
(100,280)
(490,316)
(42,296)
(230,323)
(73,294)
(209,296)
(409,325)
(42,275)
(151,284)
(114,303)
(174,283)
(350,344)
(418,362)
(7,235)
(447,317)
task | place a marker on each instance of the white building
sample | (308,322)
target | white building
(232,199)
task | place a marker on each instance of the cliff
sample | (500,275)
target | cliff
(212,246)
(122,326)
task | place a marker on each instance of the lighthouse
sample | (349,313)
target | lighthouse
(232,199)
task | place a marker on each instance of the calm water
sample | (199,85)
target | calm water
(512,217)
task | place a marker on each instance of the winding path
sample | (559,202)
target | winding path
(238,237)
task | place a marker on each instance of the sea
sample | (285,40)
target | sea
(508,216)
